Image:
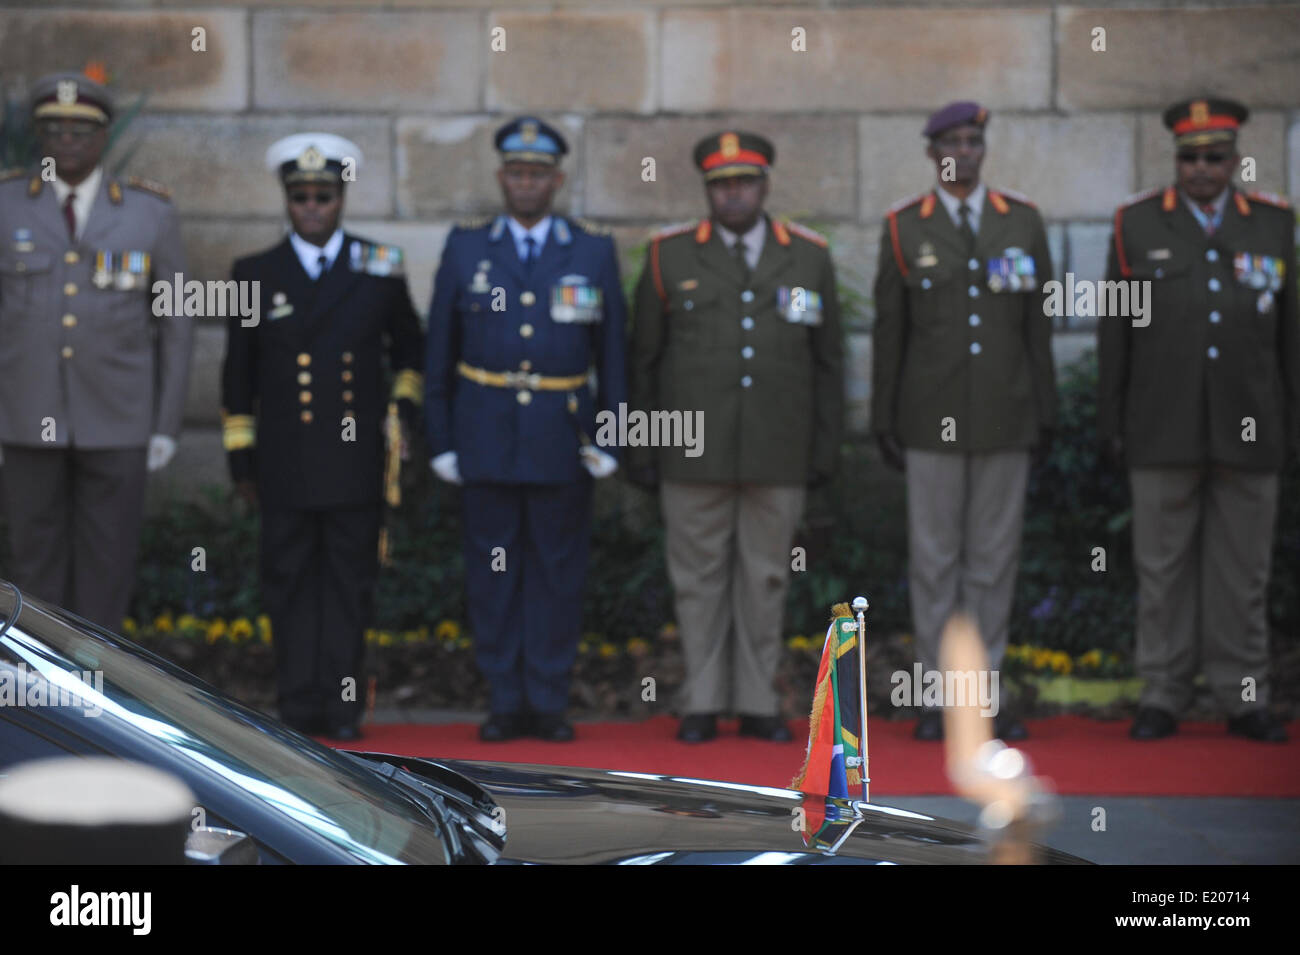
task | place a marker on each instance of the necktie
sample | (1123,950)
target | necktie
(322,264)
(530,252)
(738,251)
(70,215)
(967,233)
(1208,221)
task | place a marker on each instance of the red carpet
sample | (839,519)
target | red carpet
(1081,756)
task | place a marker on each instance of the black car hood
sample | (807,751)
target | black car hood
(562,815)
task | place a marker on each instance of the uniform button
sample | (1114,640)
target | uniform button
(975,348)
(526,330)
(305,417)
(347,398)
(926,283)
(747,296)
(347,358)
(746,381)
(69,321)
(21,267)
(525,365)
(347,374)
(974,291)
(70,288)
(524,397)
(1213,352)
(67,351)
(304,359)
(688,305)
(1215,317)
(527,298)
(304,397)
(71,257)
(974,320)
(1214,285)
(1160,273)
(973,264)
(349,413)
(747,352)
(1211,255)
(304,378)
(746,323)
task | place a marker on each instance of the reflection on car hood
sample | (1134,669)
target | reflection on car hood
(593,816)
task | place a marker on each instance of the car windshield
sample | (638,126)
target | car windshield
(103,681)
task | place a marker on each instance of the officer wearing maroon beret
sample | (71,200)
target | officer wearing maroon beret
(963,385)
(1200,400)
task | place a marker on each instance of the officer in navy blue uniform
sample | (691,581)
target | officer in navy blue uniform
(524,306)
(304,396)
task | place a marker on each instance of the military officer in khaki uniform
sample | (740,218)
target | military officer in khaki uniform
(736,317)
(92,385)
(963,386)
(1201,401)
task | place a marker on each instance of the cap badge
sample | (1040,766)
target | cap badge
(311,160)
(1200,112)
(528,130)
(730,145)
(67,92)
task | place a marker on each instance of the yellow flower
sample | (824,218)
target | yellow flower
(668,631)
(447,630)
(129,627)
(464,643)
(216,630)
(637,647)
(264,627)
(163,623)
(372,636)
(608,650)
(187,621)
(385,638)
(241,630)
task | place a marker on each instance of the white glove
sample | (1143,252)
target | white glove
(444,465)
(597,462)
(161,451)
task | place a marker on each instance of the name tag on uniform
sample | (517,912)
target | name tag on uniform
(799,304)
(1259,271)
(125,271)
(1013,271)
(575,300)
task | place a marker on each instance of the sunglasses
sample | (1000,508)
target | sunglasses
(301,197)
(52,130)
(1212,159)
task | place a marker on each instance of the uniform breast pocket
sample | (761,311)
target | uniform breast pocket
(476,303)
(799,305)
(21,274)
(575,301)
(693,312)
(1015,270)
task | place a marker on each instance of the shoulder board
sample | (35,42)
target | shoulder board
(149,186)
(592,228)
(1268,198)
(15,173)
(474,222)
(676,229)
(1014,197)
(1141,197)
(905,204)
(816,238)
(372,258)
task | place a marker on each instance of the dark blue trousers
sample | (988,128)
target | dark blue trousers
(526,548)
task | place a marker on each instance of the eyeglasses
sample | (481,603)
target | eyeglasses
(53,129)
(319,198)
(1212,159)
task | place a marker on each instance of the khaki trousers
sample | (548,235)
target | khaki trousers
(728,550)
(1202,543)
(965,513)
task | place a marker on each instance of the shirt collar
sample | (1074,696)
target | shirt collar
(1218,204)
(752,238)
(539,231)
(86,189)
(950,202)
(309,255)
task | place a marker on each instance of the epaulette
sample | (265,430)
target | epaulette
(1269,198)
(1013,196)
(671,230)
(474,222)
(1141,197)
(16,172)
(898,207)
(373,258)
(592,228)
(816,238)
(1168,201)
(149,186)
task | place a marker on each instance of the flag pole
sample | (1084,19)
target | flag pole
(860,606)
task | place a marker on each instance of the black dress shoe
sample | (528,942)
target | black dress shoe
(1153,723)
(1008,728)
(770,728)
(929,728)
(552,727)
(698,728)
(347,733)
(499,727)
(1259,725)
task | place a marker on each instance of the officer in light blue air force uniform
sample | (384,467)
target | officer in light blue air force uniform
(525,306)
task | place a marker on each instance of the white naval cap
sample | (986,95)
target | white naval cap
(307,157)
